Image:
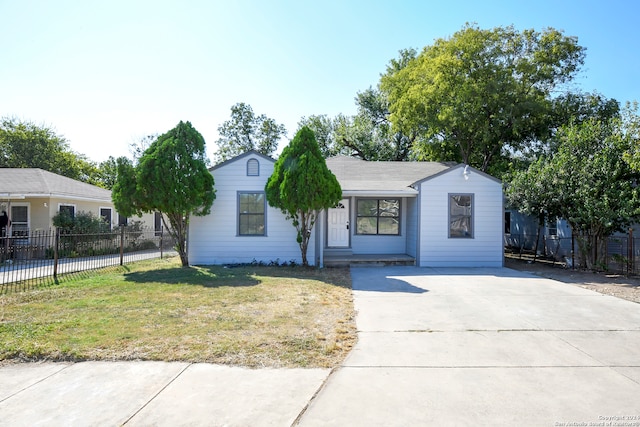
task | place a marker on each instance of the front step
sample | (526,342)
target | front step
(368,260)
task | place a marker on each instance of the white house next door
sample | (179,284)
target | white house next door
(338,227)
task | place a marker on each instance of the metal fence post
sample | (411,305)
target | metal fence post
(161,242)
(55,253)
(121,244)
(631,254)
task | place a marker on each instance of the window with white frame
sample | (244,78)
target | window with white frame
(251,214)
(68,209)
(106,214)
(461,216)
(378,216)
(19,220)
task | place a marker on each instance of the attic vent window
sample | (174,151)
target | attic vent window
(253,167)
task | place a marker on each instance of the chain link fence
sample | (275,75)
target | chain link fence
(42,258)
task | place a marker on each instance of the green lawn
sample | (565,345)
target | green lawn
(157,310)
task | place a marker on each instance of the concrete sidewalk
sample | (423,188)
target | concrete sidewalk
(440,347)
(153,394)
(436,347)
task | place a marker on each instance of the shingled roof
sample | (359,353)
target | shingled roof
(361,177)
(33,182)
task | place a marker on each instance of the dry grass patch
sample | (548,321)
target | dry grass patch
(157,310)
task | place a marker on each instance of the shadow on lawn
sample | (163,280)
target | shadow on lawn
(209,277)
(218,276)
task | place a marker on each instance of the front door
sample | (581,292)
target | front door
(338,227)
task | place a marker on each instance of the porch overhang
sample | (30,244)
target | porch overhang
(409,192)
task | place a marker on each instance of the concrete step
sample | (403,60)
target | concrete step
(368,260)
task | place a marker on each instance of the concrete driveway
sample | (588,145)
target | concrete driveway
(483,347)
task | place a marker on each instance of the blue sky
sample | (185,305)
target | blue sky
(104,74)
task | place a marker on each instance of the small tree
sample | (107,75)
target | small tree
(301,185)
(172,178)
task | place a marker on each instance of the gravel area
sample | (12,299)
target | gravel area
(616,285)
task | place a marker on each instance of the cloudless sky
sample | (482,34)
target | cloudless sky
(104,74)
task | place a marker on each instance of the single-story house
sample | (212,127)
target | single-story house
(435,214)
(32,197)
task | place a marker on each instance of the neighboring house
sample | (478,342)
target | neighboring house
(555,237)
(434,214)
(32,197)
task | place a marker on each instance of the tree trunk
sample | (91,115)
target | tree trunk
(306,223)
(178,230)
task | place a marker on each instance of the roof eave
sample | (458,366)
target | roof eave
(409,192)
(22,196)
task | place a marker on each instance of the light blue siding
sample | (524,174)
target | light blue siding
(213,238)
(412,226)
(485,249)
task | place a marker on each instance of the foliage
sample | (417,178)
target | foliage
(301,185)
(323,128)
(138,147)
(482,92)
(587,182)
(631,124)
(81,223)
(245,131)
(26,145)
(367,135)
(107,173)
(171,177)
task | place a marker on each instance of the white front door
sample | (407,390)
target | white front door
(338,227)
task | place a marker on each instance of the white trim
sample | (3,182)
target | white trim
(8,196)
(75,207)
(381,194)
(3,196)
(111,216)
(11,223)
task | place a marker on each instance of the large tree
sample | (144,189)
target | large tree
(24,144)
(171,177)
(587,182)
(246,131)
(482,92)
(301,185)
(367,135)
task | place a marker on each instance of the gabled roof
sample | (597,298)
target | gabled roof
(363,177)
(238,157)
(467,169)
(33,182)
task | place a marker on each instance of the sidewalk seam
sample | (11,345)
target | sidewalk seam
(157,394)
(37,382)
(304,409)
